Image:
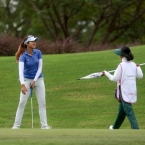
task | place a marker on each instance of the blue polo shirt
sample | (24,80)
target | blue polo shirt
(31,63)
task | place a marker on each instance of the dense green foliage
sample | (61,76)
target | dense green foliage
(87,21)
(71,103)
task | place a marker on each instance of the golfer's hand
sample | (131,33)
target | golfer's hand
(32,85)
(137,65)
(23,89)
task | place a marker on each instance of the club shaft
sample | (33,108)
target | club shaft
(32,111)
(31,105)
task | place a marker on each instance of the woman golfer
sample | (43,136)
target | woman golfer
(126,93)
(30,75)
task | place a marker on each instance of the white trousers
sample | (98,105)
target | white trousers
(39,89)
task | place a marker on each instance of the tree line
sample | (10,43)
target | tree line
(85,21)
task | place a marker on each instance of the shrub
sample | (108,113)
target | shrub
(9,46)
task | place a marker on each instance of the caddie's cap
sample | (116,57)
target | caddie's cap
(31,38)
(118,52)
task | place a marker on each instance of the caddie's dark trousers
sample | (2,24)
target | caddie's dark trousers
(125,109)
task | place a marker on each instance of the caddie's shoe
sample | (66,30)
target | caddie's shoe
(15,127)
(45,127)
(111,127)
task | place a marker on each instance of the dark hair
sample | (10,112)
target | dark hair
(127,53)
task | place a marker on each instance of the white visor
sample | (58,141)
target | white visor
(30,38)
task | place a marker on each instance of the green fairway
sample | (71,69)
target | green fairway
(71,103)
(71,137)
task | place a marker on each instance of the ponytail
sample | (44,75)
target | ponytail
(20,50)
